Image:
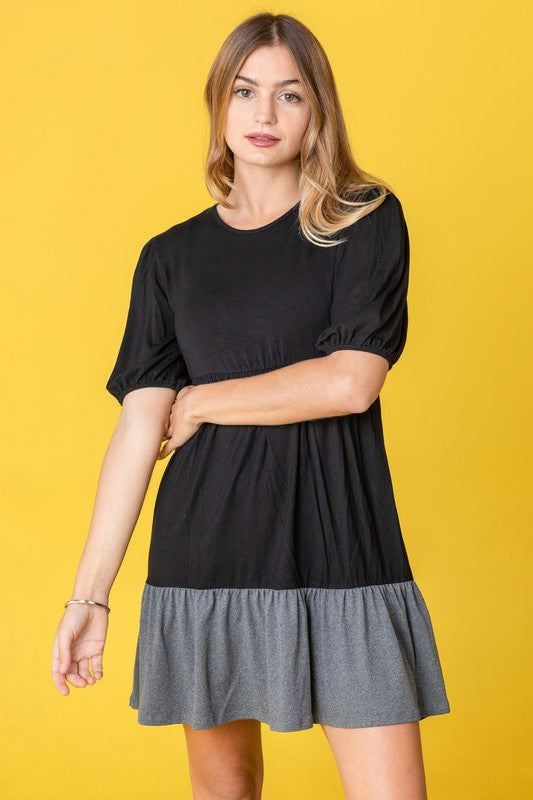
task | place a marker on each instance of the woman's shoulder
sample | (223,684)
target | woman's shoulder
(389,202)
(383,219)
(181,234)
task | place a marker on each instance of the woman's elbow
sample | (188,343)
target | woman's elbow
(358,400)
(361,375)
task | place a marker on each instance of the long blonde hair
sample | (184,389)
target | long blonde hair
(332,185)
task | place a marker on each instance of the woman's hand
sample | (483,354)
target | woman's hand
(80,636)
(179,428)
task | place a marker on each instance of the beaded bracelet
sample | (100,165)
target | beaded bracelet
(90,602)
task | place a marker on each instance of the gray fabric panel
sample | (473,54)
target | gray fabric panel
(289,657)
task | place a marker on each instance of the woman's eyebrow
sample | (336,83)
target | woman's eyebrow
(258,83)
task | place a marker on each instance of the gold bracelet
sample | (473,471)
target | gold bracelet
(90,602)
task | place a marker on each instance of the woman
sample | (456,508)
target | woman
(259,335)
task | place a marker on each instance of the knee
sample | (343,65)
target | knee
(241,786)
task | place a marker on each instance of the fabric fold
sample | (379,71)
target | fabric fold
(291,658)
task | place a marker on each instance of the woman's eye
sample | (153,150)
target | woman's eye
(290,94)
(285,94)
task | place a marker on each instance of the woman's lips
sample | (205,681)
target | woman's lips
(262,141)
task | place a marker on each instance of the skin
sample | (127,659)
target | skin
(382,762)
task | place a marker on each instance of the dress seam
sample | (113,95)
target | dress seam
(240,371)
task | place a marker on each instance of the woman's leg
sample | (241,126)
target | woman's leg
(226,762)
(380,763)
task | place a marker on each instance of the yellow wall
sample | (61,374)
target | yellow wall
(104,136)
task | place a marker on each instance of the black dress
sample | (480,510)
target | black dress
(278,584)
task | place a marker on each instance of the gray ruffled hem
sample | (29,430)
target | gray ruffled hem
(290,658)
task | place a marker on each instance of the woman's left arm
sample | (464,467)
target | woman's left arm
(343,382)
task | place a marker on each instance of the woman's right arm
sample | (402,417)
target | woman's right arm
(122,485)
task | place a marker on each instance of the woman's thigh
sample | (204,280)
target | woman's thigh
(226,761)
(383,762)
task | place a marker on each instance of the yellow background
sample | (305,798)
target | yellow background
(104,138)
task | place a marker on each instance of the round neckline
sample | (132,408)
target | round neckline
(218,218)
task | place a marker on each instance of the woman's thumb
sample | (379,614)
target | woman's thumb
(64,656)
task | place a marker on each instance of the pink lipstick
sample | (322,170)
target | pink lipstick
(262,139)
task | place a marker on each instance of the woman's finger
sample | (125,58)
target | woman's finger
(165,450)
(73,677)
(98,668)
(84,672)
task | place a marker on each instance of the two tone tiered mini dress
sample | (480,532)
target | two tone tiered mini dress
(278,585)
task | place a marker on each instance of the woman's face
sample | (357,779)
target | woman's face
(258,105)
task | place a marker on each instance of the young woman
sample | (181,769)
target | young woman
(259,335)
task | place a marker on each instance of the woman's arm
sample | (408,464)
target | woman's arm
(343,382)
(124,478)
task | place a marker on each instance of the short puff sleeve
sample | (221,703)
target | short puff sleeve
(369,296)
(149,354)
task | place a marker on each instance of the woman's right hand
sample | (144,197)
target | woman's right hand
(80,636)
(180,428)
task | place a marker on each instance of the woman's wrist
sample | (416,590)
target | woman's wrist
(86,593)
(191,408)
(86,602)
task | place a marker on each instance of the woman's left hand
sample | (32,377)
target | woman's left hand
(179,428)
